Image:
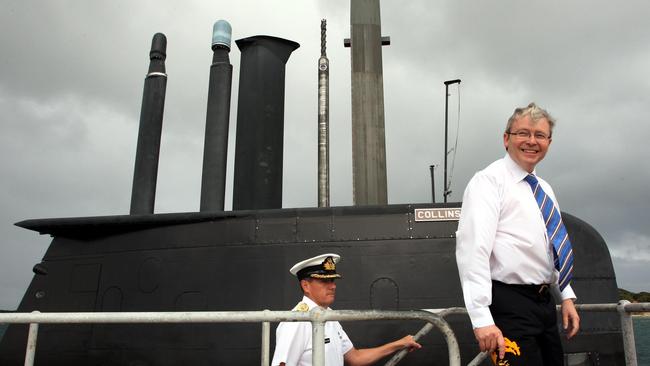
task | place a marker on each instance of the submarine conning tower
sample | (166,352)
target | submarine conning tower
(396,257)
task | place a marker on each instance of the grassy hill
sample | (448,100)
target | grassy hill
(633,296)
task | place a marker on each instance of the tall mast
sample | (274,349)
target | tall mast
(368,136)
(323,122)
(217,120)
(145,172)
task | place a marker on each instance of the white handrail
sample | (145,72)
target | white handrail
(316,316)
(624,308)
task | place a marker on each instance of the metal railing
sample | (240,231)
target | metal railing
(317,316)
(624,308)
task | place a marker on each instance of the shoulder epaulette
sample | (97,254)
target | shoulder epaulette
(301,307)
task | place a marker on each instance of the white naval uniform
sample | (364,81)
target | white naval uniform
(293,341)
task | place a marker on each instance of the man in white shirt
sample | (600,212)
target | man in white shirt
(505,260)
(293,344)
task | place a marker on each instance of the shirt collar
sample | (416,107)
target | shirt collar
(310,303)
(516,172)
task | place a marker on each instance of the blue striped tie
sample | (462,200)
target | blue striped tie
(557,234)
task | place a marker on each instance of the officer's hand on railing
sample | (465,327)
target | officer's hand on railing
(409,343)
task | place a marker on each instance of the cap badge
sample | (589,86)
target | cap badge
(328,264)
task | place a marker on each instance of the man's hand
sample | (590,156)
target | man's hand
(409,343)
(570,318)
(489,339)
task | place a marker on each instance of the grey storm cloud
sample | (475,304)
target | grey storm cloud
(71,77)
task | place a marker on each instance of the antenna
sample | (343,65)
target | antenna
(445,187)
(432,168)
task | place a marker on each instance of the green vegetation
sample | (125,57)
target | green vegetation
(632,296)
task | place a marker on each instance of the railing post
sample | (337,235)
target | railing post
(266,341)
(627,327)
(30,353)
(317,337)
(479,358)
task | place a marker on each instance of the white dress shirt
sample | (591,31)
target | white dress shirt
(293,341)
(501,236)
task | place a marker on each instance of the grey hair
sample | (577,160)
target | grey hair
(536,113)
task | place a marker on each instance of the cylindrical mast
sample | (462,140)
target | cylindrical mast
(368,134)
(145,173)
(215,150)
(260,122)
(323,123)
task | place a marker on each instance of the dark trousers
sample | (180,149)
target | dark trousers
(527,317)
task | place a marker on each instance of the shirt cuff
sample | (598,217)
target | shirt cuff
(567,293)
(481,317)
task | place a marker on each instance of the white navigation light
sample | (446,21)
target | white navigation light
(221,34)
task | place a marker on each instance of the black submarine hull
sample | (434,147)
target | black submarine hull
(239,260)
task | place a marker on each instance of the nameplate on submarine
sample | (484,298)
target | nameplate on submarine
(437,214)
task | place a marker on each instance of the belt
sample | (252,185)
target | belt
(541,290)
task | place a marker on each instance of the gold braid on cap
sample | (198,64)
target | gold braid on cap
(316,275)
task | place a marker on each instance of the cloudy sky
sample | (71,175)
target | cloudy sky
(71,77)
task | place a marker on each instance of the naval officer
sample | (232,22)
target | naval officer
(293,339)
(513,251)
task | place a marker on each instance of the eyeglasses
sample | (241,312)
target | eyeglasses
(525,134)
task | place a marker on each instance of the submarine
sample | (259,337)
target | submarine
(394,256)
